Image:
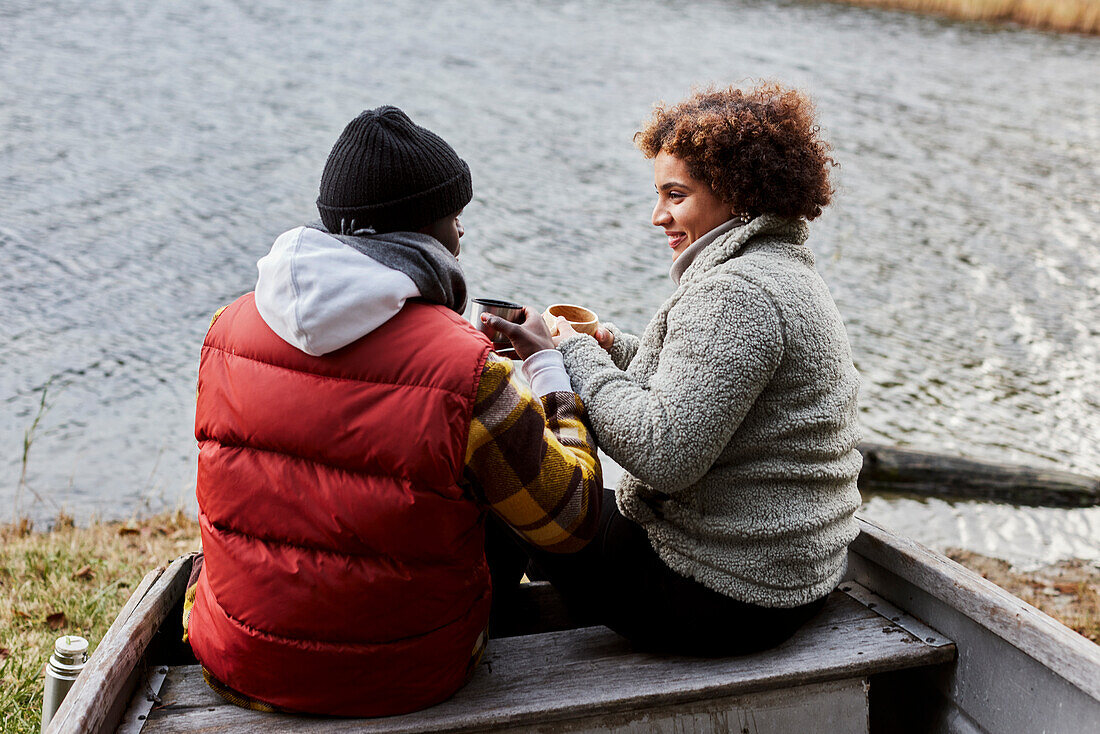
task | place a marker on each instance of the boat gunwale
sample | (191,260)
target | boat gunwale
(1034,633)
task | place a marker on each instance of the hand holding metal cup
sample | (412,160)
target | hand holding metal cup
(506,310)
(527,335)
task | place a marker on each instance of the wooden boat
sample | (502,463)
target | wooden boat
(909,642)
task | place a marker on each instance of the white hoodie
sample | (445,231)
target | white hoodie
(319,294)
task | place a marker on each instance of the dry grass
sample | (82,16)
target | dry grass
(69,581)
(1075,16)
(1069,591)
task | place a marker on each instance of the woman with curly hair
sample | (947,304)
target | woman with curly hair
(734,414)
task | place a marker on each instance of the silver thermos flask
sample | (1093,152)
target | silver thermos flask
(69,655)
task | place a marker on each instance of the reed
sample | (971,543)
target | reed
(28,441)
(1074,16)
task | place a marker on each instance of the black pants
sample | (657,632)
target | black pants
(619,581)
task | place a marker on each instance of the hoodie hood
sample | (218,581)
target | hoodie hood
(320,292)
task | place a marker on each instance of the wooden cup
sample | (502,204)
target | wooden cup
(580,318)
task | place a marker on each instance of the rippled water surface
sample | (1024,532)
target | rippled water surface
(150,152)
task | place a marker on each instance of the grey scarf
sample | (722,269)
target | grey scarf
(423,258)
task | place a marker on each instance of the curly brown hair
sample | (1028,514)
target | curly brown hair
(758,149)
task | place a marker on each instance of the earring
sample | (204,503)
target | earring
(745,217)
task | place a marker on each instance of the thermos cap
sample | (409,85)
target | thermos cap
(70,646)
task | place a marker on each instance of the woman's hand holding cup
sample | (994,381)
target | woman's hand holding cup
(604,337)
(565,320)
(528,336)
(562,330)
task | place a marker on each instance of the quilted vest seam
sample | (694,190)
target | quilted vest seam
(302,642)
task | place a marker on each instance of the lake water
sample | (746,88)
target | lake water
(149,154)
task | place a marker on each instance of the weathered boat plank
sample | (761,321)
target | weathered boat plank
(573,675)
(1018,669)
(101,692)
(839,707)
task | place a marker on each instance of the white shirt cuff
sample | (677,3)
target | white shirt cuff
(545,371)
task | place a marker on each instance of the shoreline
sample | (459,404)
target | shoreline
(74,580)
(1061,16)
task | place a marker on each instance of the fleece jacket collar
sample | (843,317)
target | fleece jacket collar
(687,257)
(730,244)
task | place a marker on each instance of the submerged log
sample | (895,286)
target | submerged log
(905,471)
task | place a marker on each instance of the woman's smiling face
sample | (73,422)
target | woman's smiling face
(687,208)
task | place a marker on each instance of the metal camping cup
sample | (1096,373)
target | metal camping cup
(505,309)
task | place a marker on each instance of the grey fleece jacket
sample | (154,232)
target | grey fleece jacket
(734,417)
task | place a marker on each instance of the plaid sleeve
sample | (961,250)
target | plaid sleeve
(533,461)
(215,317)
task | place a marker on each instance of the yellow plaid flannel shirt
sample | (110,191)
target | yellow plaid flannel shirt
(533,461)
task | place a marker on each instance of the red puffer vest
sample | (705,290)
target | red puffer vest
(344,567)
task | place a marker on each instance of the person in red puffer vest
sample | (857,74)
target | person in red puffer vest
(353,432)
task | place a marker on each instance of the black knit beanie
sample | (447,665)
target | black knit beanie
(387,173)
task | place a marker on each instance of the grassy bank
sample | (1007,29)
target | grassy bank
(74,580)
(1075,16)
(69,581)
